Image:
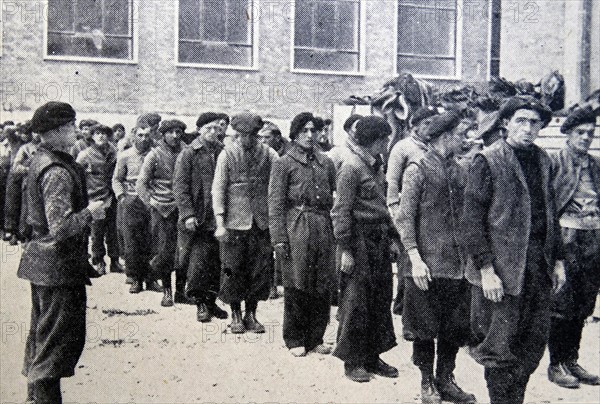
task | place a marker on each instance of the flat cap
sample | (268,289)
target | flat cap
(169,125)
(578,117)
(442,123)
(299,122)
(247,122)
(208,117)
(87,122)
(51,115)
(148,120)
(513,104)
(370,128)
(99,128)
(351,120)
(421,114)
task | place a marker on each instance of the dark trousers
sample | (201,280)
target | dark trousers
(565,337)
(305,318)
(424,356)
(506,385)
(403,267)
(366,329)
(164,231)
(120,225)
(12,204)
(246,261)
(3,183)
(102,231)
(137,236)
(57,333)
(199,257)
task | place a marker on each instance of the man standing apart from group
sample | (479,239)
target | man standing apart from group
(512,237)
(239,193)
(300,198)
(577,185)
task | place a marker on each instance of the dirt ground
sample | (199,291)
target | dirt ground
(139,352)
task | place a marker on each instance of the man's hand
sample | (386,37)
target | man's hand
(559,277)
(395,250)
(282,250)
(420,271)
(97,209)
(491,284)
(221,233)
(347,262)
(191,223)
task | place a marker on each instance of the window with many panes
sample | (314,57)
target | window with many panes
(428,37)
(495,26)
(217,32)
(95,29)
(327,35)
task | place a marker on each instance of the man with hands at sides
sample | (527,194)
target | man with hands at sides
(512,238)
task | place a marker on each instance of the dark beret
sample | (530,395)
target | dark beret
(247,122)
(223,115)
(319,123)
(271,127)
(513,104)
(169,125)
(421,114)
(208,117)
(442,123)
(51,115)
(87,122)
(299,122)
(578,117)
(118,126)
(8,123)
(107,130)
(371,128)
(350,121)
(148,120)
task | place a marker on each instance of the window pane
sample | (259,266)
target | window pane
(334,61)
(88,15)
(215,54)
(60,15)
(433,67)
(214,20)
(114,48)
(189,19)
(428,32)
(303,23)
(238,21)
(325,25)
(348,25)
(117,17)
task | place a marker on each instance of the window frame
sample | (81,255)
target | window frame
(490,38)
(71,58)
(255,44)
(362,29)
(458,34)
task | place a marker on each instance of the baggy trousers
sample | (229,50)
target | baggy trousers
(12,205)
(57,334)
(199,257)
(164,230)
(105,230)
(305,317)
(137,237)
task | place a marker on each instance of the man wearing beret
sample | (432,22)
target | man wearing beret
(55,260)
(198,248)
(155,188)
(86,137)
(99,161)
(577,185)
(406,150)
(366,239)
(239,192)
(436,295)
(136,216)
(337,153)
(512,238)
(300,198)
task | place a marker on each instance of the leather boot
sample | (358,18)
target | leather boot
(167,300)
(449,390)
(180,297)
(429,392)
(153,286)
(380,368)
(115,266)
(136,286)
(237,324)
(215,310)
(356,373)
(560,375)
(203,314)
(251,323)
(129,280)
(583,375)
(30,393)
(47,391)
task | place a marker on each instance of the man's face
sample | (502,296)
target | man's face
(173,137)
(99,138)
(248,140)
(580,137)
(223,125)
(65,137)
(142,139)
(211,132)
(523,127)
(85,132)
(307,136)
(119,134)
(458,139)
(421,128)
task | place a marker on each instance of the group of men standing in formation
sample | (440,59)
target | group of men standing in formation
(497,242)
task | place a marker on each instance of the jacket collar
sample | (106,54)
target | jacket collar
(199,143)
(301,156)
(361,152)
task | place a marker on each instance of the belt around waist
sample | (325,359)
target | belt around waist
(312,209)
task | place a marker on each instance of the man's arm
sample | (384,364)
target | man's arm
(341,214)
(409,205)
(394,176)
(278,186)
(146,175)
(219,189)
(119,176)
(57,187)
(182,184)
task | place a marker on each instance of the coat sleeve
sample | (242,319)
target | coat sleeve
(182,184)
(278,187)
(219,185)
(394,175)
(146,175)
(412,189)
(341,214)
(119,176)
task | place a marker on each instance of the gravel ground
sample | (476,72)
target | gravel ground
(139,352)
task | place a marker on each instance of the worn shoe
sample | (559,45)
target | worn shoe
(450,391)
(100,268)
(274,293)
(167,300)
(429,392)
(357,373)
(380,368)
(136,287)
(116,267)
(561,376)
(252,324)
(181,298)
(203,314)
(153,286)
(129,280)
(216,311)
(237,325)
(582,375)
(298,351)
(322,349)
